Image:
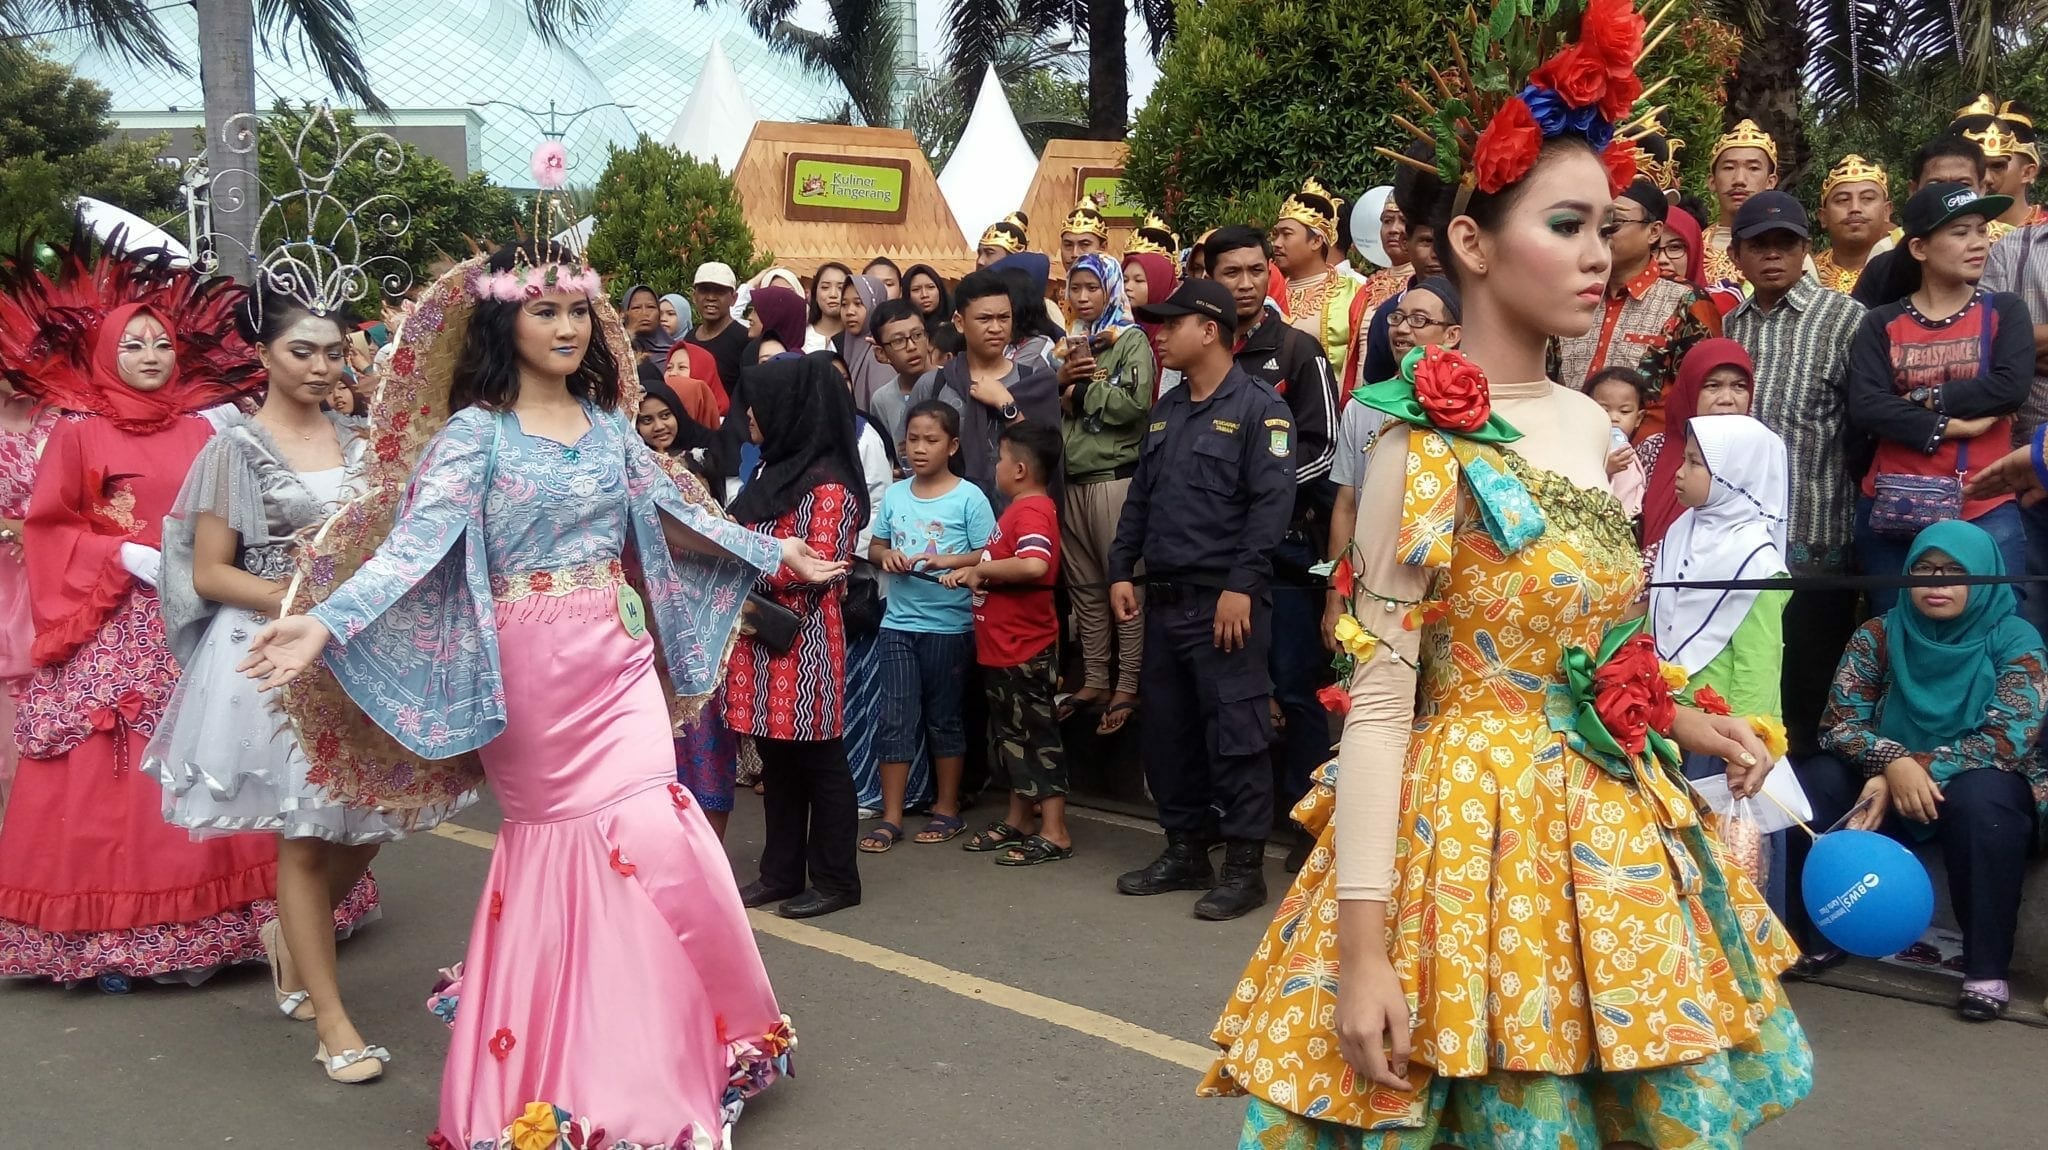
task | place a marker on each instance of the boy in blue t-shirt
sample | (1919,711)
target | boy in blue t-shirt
(929,523)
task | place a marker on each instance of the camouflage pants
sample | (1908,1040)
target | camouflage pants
(1023,734)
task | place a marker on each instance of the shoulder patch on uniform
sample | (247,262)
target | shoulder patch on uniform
(1160,426)
(1278,423)
(1227,427)
(1279,444)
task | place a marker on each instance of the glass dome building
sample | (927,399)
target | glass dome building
(468,81)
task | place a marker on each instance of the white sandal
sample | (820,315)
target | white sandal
(295,1005)
(353,1067)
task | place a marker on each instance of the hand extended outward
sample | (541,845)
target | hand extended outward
(808,565)
(283,650)
(2011,474)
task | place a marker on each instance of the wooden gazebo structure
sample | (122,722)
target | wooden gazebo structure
(1068,170)
(819,192)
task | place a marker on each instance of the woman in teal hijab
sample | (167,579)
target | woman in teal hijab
(1933,719)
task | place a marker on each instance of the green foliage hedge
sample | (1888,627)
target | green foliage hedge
(1255,96)
(661,212)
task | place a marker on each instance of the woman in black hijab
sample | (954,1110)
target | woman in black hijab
(791,701)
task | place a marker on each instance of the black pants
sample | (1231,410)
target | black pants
(1986,832)
(1817,626)
(1300,666)
(1207,727)
(813,822)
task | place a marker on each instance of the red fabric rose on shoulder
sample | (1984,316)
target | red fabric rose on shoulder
(1452,391)
(1630,695)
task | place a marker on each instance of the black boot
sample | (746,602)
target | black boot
(1183,865)
(1243,886)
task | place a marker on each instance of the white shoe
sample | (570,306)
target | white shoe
(353,1067)
(295,1004)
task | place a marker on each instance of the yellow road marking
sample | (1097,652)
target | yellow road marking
(1066,1015)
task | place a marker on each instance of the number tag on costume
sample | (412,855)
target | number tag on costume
(632,612)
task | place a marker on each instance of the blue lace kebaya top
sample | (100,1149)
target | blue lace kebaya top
(415,634)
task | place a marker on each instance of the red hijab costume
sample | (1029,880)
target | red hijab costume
(704,398)
(108,480)
(1681,404)
(1161,278)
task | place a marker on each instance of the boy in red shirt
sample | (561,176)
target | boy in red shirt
(1016,633)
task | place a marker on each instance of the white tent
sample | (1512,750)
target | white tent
(140,235)
(717,119)
(992,165)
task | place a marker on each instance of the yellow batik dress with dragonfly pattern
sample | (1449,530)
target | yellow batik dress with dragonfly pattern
(1582,963)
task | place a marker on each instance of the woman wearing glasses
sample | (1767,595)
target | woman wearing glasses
(1929,735)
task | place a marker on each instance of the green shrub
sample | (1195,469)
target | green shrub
(661,212)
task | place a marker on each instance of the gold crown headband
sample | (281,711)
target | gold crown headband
(1008,233)
(1153,237)
(1998,141)
(1086,220)
(1664,173)
(1854,169)
(1985,106)
(1311,217)
(1746,135)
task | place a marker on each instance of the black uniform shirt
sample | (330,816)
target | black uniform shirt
(1214,488)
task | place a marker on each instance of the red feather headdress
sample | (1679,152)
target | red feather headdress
(49,325)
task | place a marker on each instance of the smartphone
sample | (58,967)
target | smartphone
(359,341)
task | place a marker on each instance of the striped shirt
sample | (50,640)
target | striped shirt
(1801,350)
(2019,264)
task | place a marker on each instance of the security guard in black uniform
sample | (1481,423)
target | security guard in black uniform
(1210,501)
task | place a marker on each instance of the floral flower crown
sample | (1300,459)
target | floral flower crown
(554,225)
(1497,105)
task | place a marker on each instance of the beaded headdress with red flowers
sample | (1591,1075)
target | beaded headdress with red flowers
(1533,71)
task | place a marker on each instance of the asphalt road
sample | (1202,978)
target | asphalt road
(964,1005)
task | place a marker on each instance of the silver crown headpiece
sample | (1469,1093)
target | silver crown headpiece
(316,237)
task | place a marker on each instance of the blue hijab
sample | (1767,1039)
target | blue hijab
(1116,314)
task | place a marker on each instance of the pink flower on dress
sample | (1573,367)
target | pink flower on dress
(501,1044)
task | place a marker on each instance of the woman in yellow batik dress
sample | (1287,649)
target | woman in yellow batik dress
(1516,929)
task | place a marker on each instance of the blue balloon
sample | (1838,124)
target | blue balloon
(1866,893)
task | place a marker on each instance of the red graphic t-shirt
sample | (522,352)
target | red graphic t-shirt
(1012,624)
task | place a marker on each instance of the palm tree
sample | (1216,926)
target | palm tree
(1851,55)
(978,28)
(321,31)
(859,50)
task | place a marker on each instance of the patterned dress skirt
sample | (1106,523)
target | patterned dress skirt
(1582,962)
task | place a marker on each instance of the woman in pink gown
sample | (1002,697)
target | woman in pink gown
(612,994)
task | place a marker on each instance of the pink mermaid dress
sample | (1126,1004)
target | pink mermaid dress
(612,994)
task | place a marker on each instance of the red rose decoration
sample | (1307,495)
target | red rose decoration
(497,905)
(402,361)
(1452,391)
(1341,580)
(621,865)
(1624,709)
(1576,75)
(1622,94)
(1710,701)
(1335,699)
(501,1044)
(1620,158)
(439,1141)
(1507,149)
(1611,32)
(387,447)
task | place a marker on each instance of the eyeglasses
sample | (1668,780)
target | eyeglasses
(1624,221)
(1675,249)
(904,342)
(1413,319)
(1936,570)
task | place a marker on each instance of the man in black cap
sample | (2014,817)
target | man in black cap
(1647,322)
(1210,501)
(1797,333)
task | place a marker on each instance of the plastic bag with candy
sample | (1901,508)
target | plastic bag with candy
(1742,831)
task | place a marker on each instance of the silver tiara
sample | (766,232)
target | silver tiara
(315,253)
